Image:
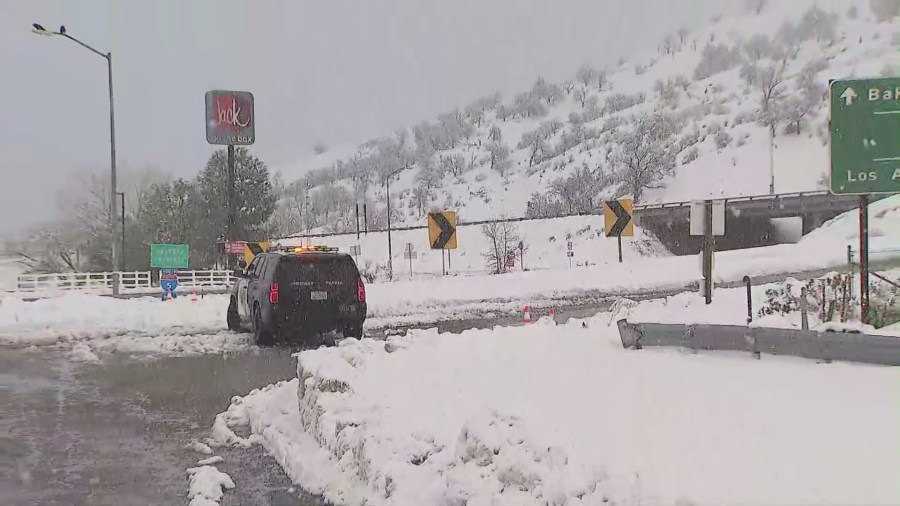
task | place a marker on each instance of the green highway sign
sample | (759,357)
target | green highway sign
(169,256)
(865,136)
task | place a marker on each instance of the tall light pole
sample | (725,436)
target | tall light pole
(112,147)
(122,217)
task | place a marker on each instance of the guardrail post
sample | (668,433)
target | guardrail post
(804,318)
(749,283)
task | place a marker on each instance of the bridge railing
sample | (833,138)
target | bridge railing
(101,283)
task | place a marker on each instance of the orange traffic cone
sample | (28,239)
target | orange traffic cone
(527,318)
(193,295)
(552,312)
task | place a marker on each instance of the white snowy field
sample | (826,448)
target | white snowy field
(545,244)
(551,414)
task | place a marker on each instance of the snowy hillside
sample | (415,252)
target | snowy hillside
(689,121)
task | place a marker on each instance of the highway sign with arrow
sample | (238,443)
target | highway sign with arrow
(865,136)
(617,218)
(442,230)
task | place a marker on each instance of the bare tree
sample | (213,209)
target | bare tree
(682,35)
(647,152)
(581,94)
(495,134)
(453,163)
(568,87)
(668,44)
(499,157)
(758,47)
(585,75)
(769,82)
(600,79)
(503,240)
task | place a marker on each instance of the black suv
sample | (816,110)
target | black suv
(298,293)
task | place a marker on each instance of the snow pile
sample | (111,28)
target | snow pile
(77,312)
(551,414)
(206,486)
(884,231)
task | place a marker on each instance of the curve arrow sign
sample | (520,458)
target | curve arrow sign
(445,231)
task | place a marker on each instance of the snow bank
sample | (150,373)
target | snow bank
(552,414)
(206,486)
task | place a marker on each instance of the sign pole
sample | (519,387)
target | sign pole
(366,218)
(448,261)
(620,247)
(864,258)
(708,246)
(443,264)
(357,221)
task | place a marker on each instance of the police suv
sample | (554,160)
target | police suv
(298,293)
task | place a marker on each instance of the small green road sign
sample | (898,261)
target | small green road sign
(865,136)
(169,256)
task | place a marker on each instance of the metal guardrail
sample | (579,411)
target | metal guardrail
(822,346)
(130,282)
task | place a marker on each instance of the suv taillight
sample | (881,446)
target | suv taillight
(361,291)
(273,293)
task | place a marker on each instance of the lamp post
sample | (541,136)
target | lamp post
(122,216)
(112,146)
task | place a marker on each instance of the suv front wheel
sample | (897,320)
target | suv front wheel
(232,318)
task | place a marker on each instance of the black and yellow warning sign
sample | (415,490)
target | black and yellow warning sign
(442,230)
(617,216)
(251,249)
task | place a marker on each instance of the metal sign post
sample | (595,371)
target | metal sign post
(709,244)
(230,121)
(864,258)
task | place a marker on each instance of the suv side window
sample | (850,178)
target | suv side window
(254,269)
(267,267)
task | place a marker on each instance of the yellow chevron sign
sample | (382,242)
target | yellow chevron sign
(251,249)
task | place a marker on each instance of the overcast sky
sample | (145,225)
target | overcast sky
(333,71)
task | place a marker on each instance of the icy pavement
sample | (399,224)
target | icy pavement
(563,415)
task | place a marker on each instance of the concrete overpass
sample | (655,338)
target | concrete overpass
(747,218)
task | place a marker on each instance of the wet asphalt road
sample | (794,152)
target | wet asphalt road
(114,433)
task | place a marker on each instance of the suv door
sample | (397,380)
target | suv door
(255,281)
(243,295)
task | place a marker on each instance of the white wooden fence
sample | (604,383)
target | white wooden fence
(131,282)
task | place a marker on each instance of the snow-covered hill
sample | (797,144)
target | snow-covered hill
(688,121)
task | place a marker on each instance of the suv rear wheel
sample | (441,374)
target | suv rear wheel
(354,330)
(261,334)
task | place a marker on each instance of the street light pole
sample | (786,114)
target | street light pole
(116,266)
(122,195)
